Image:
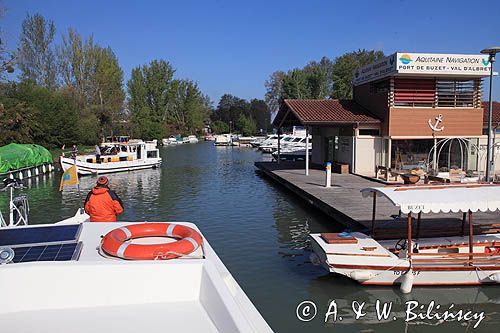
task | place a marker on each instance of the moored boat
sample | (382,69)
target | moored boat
(464,258)
(116,157)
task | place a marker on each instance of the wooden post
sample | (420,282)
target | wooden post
(471,245)
(464,215)
(409,236)
(418,223)
(373,213)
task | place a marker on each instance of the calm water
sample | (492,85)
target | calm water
(260,232)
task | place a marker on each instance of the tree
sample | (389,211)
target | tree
(230,108)
(246,125)
(93,76)
(107,89)
(274,90)
(219,127)
(344,68)
(38,115)
(36,52)
(77,64)
(261,114)
(149,88)
(7,59)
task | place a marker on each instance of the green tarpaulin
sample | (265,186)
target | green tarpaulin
(17,156)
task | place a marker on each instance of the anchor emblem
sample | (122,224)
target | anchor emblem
(435,127)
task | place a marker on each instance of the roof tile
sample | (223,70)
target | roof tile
(329,111)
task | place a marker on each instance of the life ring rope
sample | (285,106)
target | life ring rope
(117,242)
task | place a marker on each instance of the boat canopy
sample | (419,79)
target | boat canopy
(441,198)
(18,156)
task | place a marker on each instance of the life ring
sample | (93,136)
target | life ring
(115,242)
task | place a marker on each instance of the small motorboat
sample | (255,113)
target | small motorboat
(116,157)
(463,255)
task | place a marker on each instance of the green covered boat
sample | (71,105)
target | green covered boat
(16,156)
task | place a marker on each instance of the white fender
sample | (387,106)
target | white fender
(361,275)
(407,282)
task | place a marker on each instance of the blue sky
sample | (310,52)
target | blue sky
(233,46)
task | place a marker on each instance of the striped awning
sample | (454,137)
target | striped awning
(441,198)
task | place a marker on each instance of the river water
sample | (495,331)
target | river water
(259,230)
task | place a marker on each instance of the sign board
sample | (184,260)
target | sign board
(425,64)
(376,70)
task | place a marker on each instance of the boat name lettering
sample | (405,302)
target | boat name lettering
(417,207)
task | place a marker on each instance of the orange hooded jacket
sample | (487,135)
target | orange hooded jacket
(103,205)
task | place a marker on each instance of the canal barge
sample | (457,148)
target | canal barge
(469,258)
(116,157)
(77,276)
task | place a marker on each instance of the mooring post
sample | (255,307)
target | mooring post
(328,180)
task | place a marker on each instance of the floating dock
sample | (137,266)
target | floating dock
(343,200)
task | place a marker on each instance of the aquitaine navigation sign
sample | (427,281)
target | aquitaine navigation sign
(424,64)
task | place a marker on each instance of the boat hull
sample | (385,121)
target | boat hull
(86,168)
(383,268)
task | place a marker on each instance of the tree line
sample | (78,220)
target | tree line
(321,79)
(73,92)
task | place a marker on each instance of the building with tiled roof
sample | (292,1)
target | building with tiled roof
(402,104)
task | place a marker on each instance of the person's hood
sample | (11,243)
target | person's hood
(99,190)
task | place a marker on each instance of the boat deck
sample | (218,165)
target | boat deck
(345,204)
(188,316)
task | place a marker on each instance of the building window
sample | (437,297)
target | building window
(380,87)
(414,92)
(455,93)
(411,92)
(369,131)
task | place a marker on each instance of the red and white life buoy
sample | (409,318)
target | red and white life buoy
(115,242)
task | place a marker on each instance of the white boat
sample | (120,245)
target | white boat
(224,140)
(286,142)
(65,281)
(190,139)
(292,154)
(468,255)
(126,156)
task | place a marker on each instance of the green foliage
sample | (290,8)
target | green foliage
(318,80)
(246,125)
(220,127)
(34,114)
(36,52)
(161,105)
(260,113)
(245,117)
(344,68)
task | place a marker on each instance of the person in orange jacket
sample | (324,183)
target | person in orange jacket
(102,204)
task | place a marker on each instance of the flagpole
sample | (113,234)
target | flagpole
(78,188)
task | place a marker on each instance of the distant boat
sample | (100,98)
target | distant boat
(225,140)
(116,157)
(190,139)
(209,137)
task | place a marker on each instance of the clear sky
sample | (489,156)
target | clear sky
(233,46)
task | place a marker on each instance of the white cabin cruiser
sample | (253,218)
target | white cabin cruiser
(116,157)
(468,255)
(71,279)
